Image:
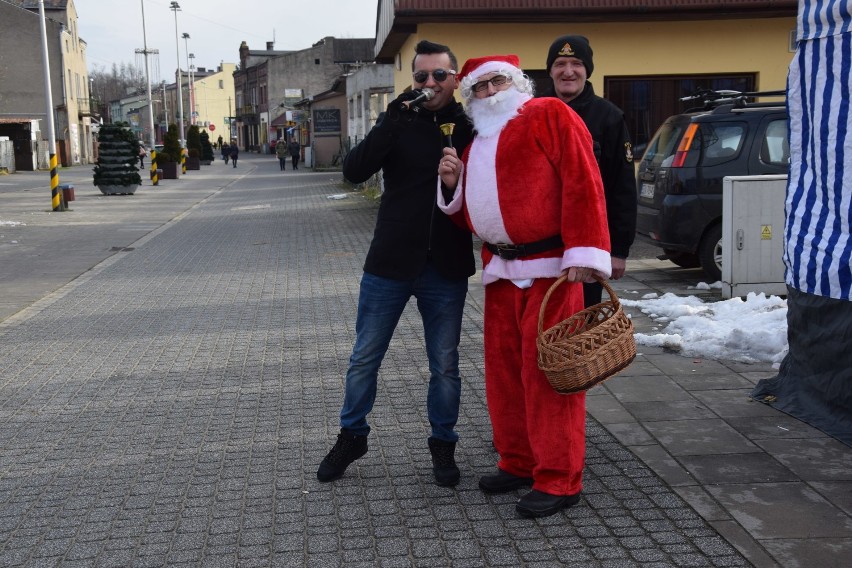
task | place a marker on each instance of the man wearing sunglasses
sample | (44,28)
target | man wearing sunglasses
(570,64)
(529,187)
(416,251)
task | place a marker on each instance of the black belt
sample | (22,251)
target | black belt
(511,252)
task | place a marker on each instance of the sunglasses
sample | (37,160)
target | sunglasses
(440,75)
(496,80)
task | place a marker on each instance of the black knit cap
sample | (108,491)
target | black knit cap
(571,46)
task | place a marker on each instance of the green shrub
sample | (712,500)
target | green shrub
(206,147)
(193,139)
(118,155)
(171,145)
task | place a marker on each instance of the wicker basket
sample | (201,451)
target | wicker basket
(586,348)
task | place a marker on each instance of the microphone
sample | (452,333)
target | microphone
(426,94)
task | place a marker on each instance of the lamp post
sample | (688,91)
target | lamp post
(165,106)
(175,7)
(151,138)
(56,197)
(185,37)
(193,108)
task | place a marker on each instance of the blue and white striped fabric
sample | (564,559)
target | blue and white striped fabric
(818,254)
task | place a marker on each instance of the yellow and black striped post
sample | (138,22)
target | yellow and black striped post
(155,179)
(57,199)
(183,160)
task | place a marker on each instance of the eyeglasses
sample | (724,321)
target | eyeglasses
(496,80)
(440,75)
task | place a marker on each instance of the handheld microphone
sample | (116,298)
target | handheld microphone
(426,94)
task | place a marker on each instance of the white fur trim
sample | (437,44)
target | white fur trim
(497,269)
(455,205)
(490,67)
(588,257)
(483,203)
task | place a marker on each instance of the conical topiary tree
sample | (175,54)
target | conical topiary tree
(118,154)
(171,145)
(206,148)
(193,139)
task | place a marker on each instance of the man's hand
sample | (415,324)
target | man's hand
(619,267)
(397,113)
(579,274)
(450,168)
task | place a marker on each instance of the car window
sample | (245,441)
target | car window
(664,143)
(775,148)
(721,142)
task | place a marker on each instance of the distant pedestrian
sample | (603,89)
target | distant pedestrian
(235,153)
(226,152)
(142,153)
(219,142)
(295,149)
(281,152)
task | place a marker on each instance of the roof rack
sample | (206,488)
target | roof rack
(710,99)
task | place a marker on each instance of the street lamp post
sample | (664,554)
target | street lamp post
(151,139)
(185,37)
(56,194)
(175,7)
(193,108)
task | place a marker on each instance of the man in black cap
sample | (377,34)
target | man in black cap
(570,64)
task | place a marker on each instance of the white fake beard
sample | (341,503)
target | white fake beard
(491,114)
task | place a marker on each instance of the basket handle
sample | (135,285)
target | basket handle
(562,279)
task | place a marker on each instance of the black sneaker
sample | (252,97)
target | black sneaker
(346,450)
(444,466)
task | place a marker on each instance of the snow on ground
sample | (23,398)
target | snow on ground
(748,330)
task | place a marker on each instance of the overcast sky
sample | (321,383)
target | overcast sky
(112,29)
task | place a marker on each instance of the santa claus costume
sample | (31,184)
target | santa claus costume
(531,190)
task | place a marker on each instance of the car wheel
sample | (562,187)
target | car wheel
(710,253)
(683,259)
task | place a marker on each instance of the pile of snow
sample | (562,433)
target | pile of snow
(749,330)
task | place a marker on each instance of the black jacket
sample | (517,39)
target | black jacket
(614,154)
(410,229)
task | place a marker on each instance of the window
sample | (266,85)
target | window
(720,142)
(221,83)
(663,147)
(775,149)
(648,101)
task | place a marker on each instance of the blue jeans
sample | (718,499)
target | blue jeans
(380,305)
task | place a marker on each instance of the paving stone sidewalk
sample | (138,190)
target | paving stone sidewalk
(170,407)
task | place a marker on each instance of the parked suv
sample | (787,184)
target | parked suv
(679,180)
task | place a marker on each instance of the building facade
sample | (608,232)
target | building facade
(23,101)
(269,84)
(645,60)
(208,101)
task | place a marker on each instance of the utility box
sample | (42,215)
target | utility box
(753,235)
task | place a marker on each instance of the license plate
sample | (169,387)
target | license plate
(647,191)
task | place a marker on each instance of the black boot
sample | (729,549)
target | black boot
(346,450)
(541,504)
(503,482)
(443,462)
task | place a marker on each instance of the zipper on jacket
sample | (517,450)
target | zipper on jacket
(434,202)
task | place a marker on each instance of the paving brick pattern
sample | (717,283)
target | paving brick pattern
(170,408)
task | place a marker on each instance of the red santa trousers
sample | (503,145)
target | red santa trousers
(538,432)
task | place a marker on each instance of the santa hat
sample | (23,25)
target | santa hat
(479,66)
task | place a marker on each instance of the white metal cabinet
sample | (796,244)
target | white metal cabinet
(753,235)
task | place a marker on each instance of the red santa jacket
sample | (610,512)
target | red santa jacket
(535,179)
